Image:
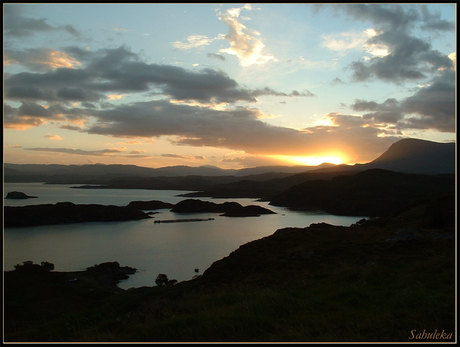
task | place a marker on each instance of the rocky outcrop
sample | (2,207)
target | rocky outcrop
(149,205)
(195,206)
(110,273)
(247,211)
(229,209)
(67,213)
(18,195)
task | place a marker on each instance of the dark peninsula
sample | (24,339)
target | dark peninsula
(67,213)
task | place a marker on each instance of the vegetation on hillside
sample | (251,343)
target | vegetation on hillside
(381,280)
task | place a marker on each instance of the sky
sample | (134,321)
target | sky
(228,85)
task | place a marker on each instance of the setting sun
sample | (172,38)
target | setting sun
(311,160)
(314,161)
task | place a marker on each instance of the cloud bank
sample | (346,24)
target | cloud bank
(92,92)
(403,58)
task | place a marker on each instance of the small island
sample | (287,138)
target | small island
(228,209)
(248,211)
(149,205)
(19,195)
(67,213)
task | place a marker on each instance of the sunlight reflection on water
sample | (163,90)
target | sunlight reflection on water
(174,249)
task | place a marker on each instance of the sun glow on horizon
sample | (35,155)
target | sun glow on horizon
(312,160)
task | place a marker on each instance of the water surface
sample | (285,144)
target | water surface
(174,249)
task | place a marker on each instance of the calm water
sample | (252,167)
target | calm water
(174,249)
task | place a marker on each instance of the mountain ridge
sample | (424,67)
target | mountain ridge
(406,155)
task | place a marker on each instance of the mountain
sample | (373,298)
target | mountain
(278,168)
(417,156)
(409,156)
(254,186)
(100,173)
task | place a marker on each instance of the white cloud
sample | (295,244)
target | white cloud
(193,42)
(118,28)
(116,96)
(53,137)
(243,41)
(356,40)
(453,57)
(40,59)
(345,40)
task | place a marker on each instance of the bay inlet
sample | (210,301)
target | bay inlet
(175,249)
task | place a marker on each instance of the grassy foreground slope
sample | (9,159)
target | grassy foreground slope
(388,279)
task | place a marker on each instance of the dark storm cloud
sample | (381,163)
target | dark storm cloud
(431,107)
(71,127)
(120,71)
(389,111)
(78,53)
(269,91)
(77,94)
(157,118)
(433,21)
(29,92)
(35,59)
(29,114)
(31,109)
(88,105)
(18,26)
(434,104)
(382,15)
(238,129)
(33,114)
(409,58)
(12,120)
(398,17)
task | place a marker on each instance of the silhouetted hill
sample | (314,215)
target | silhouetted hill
(278,168)
(250,187)
(373,192)
(417,156)
(406,156)
(103,174)
(409,156)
